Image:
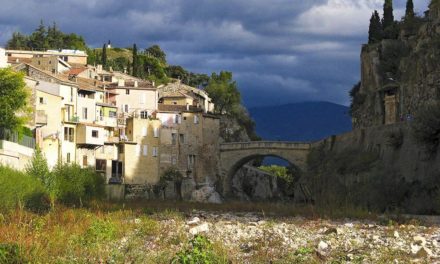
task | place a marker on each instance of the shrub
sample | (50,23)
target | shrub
(11,254)
(38,168)
(426,126)
(100,231)
(200,250)
(74,185)
(18,189)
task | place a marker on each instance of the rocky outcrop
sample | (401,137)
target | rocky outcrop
(403,70)
(253,184)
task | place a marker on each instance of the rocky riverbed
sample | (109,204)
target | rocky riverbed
(253,238)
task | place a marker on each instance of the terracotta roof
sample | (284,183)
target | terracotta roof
(76,71)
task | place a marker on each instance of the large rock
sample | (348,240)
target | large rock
(170,190)
(188,186)
(206,194)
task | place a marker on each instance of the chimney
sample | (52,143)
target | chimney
(135,83)
(99,68)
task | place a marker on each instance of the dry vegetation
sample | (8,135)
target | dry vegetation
(156,232)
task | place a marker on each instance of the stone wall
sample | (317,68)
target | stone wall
(410,161)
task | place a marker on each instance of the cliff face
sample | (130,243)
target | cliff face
(400,75)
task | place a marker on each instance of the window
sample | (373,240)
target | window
(145,150)
(68,158)
(137,150)
(182,138)
(42,101)
(101,165)
(156,132)
(121,149)
(173,138)
(144,114)
(85,164)
(68,134)
(126,108)
(144,131)
(112,114)
(196,119)
(155,151)
(191,161)
(127,91)
(177,119)
(84,112)
(95,133)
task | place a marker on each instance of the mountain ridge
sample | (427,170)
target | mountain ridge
(302,121)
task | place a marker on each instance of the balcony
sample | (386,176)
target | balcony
(71,119)
(112,140)
(107,121)
(41,117)
(90,135)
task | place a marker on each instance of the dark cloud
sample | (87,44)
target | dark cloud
(280,51)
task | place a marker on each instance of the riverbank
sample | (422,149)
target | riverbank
(151,233)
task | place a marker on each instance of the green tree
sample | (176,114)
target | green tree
(104,56)
(388,17)
(38,39)
(409,13)
(54,37)
(177,72)
(135,61)
(375,29)
(18,41)
(38,167)
(223,91)
(156,52)
(14,108)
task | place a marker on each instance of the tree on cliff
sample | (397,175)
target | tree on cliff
(156,52)
(223,91)
(104,56)
(409,13)
(14,108)
(375,30)
(135,61)
(388,17)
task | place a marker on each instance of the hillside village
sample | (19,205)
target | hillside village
(129,129)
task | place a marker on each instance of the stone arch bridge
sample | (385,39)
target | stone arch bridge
(234,155)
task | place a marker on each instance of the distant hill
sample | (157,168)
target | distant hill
(307,121)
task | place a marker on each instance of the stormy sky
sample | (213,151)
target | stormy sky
(280,51)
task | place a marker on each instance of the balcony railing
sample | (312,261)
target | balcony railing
(71,119)
(8,135)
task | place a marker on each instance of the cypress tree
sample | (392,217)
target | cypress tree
(388,17)
(409,13)
(135,61)
(104,56)
(375,29)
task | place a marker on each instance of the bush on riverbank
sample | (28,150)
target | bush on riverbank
(38,188)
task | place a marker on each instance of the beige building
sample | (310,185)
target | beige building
(70,56)
(141,150)
(189,141)
(51,64)
(3,58)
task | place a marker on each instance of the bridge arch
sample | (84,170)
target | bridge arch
(234,155)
